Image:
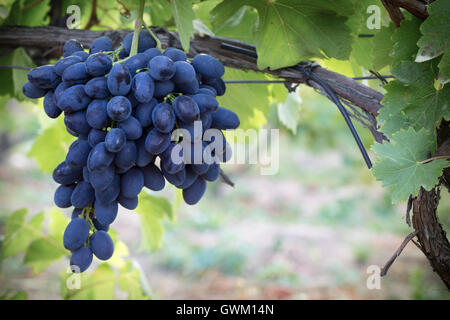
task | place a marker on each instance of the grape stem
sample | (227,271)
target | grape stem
(158,43)
(137,28)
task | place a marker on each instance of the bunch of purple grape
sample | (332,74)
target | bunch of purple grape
(123,110)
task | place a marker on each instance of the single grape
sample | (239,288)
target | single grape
(136,62)
(191,177)
(186,109)
(143,112)
(126,157)
(119,80)
(163,88)
(132,128)
(96,136)
(99,226)
(98,64)
(218,85)
(60,88)
(76,234)
(101,44)
(206,103)
(73,99)
(209,67)
(153,177)
(44,77)
(161,68)
(187,87)
(83,195)
(100,180)
(119,108)
(97,88)
(78,153)
(132,182)
(33,92)
(156,141)
(204,88)
(96,114)
(81,54)
(128,203)
(177,179)
(65,174)
(224,119)
(63,194)
(194,192)
(172,159)
(105,213)
(64,63)
(71,46)
(175,54)
(163,117)
(75,74)
(143,158)
(50,107)
(152,52)
(102,245)
(77,123)
(81,258)
(184,72)
(115,140)
(143,87)
(213,172)
(99,158)
(145,41)
(110,193)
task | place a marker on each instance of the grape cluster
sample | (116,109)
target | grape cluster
(124,110)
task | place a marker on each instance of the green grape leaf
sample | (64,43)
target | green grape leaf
(405,40)
(27,237)
(19,232)
(289,31)
(289,112)
(400,165)
(152,211)
(249,101)
(435,40)
(50,147)
(395,123)
(413,73)
(394,101)
(240,24)
(426,106)
(159,11)
(184,15)
(382,47)
(12,80)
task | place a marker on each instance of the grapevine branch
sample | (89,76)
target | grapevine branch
(347,88)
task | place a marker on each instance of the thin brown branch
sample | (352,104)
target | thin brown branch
(93,19)
(394,12)
(415,7)
(32,4)
(397,253)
